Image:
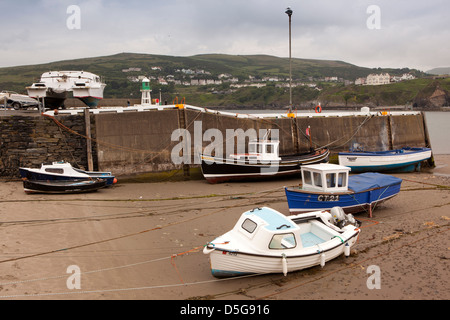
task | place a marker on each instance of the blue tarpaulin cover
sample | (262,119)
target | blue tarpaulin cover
(370,180)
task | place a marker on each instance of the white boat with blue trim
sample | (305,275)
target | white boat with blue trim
(400,160)
(266,241)
(64,171)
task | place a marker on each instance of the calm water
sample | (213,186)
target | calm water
(438,124)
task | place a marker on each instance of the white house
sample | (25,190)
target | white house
(378,79)
(360,81)
(404,77)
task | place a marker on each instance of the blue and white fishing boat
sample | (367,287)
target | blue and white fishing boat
(399,160)
(325,186)
(64,171)
(266,241)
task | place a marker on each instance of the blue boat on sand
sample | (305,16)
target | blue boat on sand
(325,186)
(399,160)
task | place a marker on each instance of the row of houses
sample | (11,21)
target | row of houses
(382,78)
(192,82)
(202,79)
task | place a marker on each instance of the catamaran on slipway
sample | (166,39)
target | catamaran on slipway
(54,88)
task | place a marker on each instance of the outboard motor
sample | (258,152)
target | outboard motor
(341,219)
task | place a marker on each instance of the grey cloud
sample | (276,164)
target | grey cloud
(322,29)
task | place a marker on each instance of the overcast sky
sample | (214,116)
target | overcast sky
(402,33)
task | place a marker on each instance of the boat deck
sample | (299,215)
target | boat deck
(310,239)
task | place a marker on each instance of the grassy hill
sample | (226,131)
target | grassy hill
(439,71)
(257,66)
(401,93)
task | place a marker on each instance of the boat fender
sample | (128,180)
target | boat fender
(322,260)
(207,249)
(284,262)
(347,250)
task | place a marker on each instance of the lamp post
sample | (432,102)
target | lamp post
(289,13)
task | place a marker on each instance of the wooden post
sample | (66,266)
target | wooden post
(389,127)
(182,125)
(294,133)
(87,120)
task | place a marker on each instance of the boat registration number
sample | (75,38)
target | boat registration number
(328,197)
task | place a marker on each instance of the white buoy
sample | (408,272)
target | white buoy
(322,260)
(284,262)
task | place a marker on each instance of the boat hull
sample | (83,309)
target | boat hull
(79,175)
(89,95)
(401,160)
(301,201)
(63,187)
(216,170)
(235,263)
(91,102)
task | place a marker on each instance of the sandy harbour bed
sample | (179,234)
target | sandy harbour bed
(143,241)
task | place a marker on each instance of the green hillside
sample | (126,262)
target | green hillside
(394,94)
(210,66)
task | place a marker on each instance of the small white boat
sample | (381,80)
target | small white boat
(399,160)
(64,171)
(266,241)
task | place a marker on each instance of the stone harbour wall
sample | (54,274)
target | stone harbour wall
(139,143)
(29,141)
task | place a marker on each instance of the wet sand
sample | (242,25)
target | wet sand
(144,241)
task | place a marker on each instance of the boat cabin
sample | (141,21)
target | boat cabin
(61,168)
(267,230)
(325,177)
(260,150)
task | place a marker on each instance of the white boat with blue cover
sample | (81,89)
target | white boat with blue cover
(266,241)
(399,160)
(325,186)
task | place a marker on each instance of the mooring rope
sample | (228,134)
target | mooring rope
(128,235)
